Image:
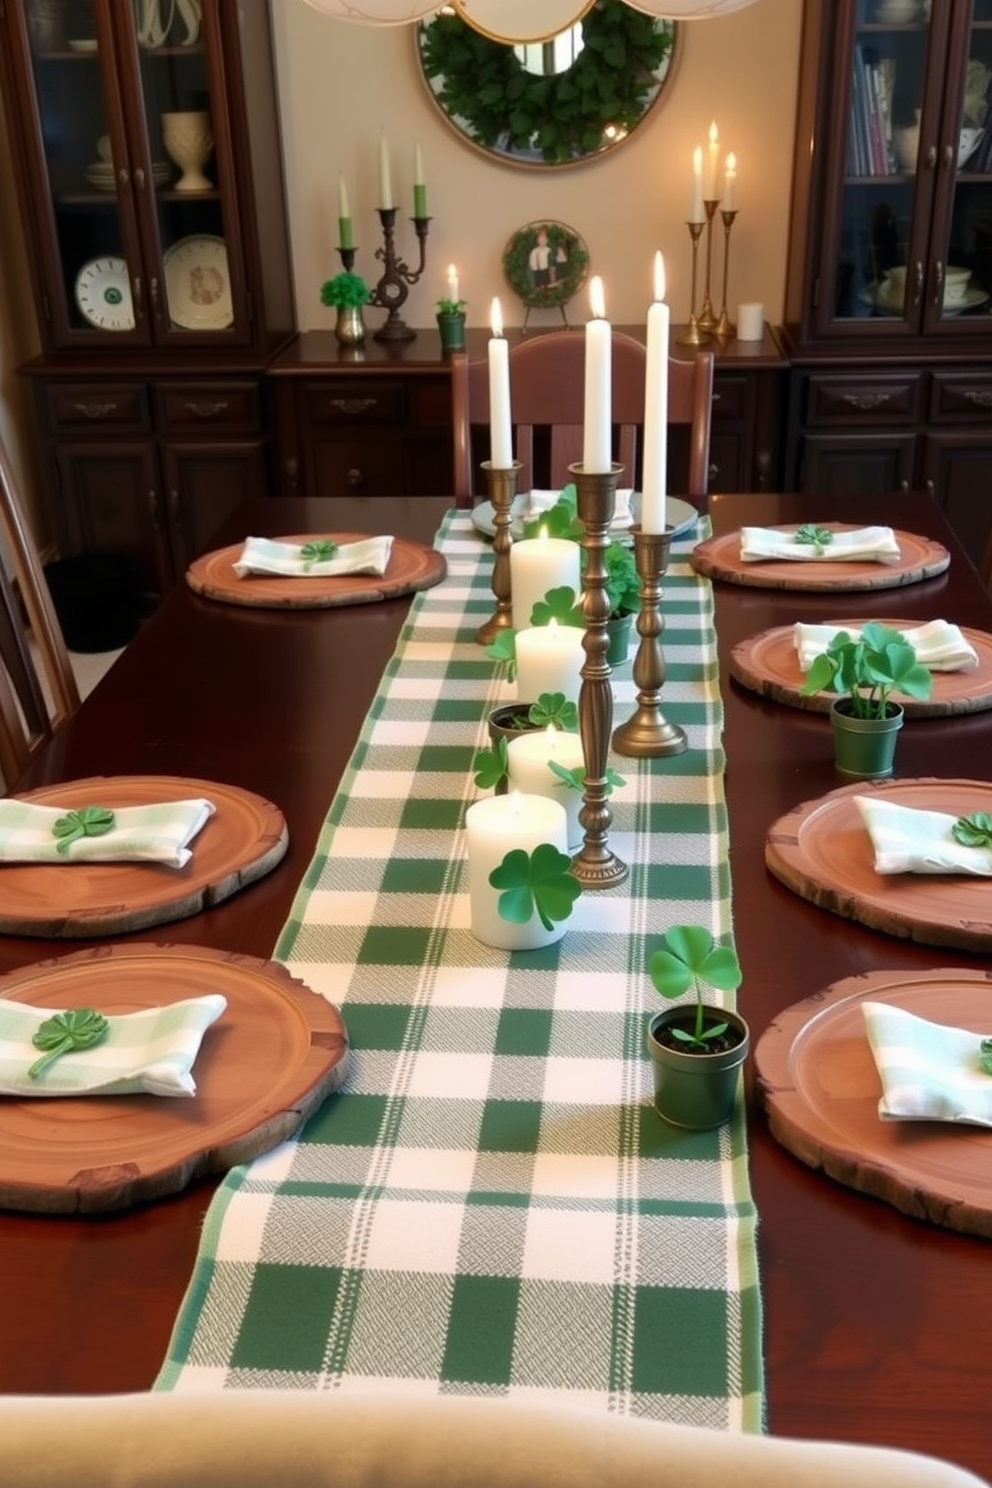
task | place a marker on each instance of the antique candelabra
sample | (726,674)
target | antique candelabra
(647,734)
(394,286)
(725,330)
(596,866)
(693,335)
(502,489)
(707,319)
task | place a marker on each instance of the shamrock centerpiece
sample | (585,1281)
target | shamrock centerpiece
(973,831)
(811,535)
(88,821)
(535,882)
(318,551)
(76,1028)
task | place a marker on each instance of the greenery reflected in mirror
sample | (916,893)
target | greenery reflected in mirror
(556,118)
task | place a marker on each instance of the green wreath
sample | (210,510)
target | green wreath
(484,88)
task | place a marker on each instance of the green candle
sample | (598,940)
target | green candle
(345,239)
(419,185)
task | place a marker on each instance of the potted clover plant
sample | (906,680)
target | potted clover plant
(551,709)
(451,323)
(865,671)
(347,292)
(696,1049)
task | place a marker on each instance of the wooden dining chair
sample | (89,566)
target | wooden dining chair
(37,686)
(547,389)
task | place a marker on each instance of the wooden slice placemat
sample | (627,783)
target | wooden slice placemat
(822,851)
(821,1089)
(411,566)
(244,839)
(768,663)
(273,1055)
(720,558)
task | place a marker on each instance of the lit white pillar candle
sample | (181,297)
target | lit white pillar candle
(451,289)
(385,177)
(419,185)
(537,565)
(597,443)
(729,202)
(529,760)
(712,164)
(653,498)
(494,827)
(696,212)
(549,659)
(500,442)
(345,239)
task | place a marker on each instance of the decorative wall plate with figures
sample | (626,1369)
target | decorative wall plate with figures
(545,264)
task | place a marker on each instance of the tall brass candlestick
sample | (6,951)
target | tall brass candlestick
(725,330)
(596,866)
(706,317)
(647,734)
(692,335)
(502,489)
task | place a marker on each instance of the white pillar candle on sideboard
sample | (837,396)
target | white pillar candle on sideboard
(537,565)
(549,659)
(494,827)
(529,760)
(750,321)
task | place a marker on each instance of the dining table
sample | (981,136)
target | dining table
(875,1322)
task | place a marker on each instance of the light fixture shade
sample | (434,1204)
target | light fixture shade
(521,22)
(376,12)
(688,10)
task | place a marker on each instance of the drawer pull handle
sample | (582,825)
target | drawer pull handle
(353,405)
(96,410)
(206,410)
(355,478)
(865,402)
(981,397)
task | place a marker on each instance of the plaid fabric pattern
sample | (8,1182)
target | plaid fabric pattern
(929,1071)
(493,1206)
(150,1052)
(158,833)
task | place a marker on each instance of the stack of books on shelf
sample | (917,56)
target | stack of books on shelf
(869,144)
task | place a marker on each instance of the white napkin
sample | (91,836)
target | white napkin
(939,645)
(157,833)
(929,1072)
(537,502)
(150,1052)
(861,544)
(907,840)
(262,555)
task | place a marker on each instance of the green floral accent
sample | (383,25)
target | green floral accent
(973,831)
(985,1055)
(690,956)
(76,1028)
(491,766)
(345,291)
(535,881)
(88,821)
(869,670)
(317,552)
(817,537)
(451,307)
(555,710)
(623,587)
(560,605)
(560,520)
(575,779)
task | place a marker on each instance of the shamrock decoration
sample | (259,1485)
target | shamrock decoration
(576,779)
(985,1055)
(76,1028)
(818,537)
(317,551)
(560,520)
(560,605)
(504,648)
(554,710)
(973,831)
(491,765)
(88,821)
(539,880)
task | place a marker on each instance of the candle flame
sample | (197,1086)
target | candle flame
(553,626)
(714,133)
(659,276)
(496,318)
(597,299)
(549,733)
(731,163)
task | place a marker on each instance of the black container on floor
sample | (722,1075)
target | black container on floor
(96,597)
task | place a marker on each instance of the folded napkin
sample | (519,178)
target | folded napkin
(149,1053)
(929,1072)
(537,502)
(158,833)
(939,645)
(861,544)
(261,555)
(911,841)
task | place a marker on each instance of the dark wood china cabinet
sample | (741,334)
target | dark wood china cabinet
(149,169)
(887,321)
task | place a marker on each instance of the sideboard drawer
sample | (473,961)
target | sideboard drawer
(79,406)
(352,403)
(214,407)
(960,397)
(832,398)
(731,398)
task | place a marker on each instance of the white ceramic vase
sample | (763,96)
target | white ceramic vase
(188,140)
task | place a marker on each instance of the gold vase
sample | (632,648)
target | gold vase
(350,326)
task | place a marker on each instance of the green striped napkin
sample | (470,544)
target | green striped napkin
(929,1072)
(860,545)
(907,840)
(150,1052)
(157,833)
(262,555)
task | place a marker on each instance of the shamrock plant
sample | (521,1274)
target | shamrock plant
(88,821)
(539,881)
(809,534)
(973,831)
(345,291)
(869,669)
(76,1028)
(689,956)
(552,710)
(450,307)
(560,520)
(561,605)
(318,551)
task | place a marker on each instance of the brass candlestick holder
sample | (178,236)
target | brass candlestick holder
(502,489)
(706,317)
(647,734)
(725,330)
(596,866)
(692,335)
(393,288)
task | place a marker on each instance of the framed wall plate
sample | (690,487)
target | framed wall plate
(198,284)
(545,264)
(103,294)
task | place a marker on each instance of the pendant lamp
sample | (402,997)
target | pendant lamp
(521,22)
(688,10)
(376,12)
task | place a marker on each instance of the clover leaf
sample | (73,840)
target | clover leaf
(817,537)
(317,551)
(559,520)
(973,831)
(575,779)
(503,648)
(985,1055)
(561,605)
(554,710)
(491,765)
(535,881)
(88,821)
(76,1028)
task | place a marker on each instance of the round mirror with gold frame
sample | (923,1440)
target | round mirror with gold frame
(558,101)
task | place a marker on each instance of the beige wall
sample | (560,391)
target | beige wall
(342,84)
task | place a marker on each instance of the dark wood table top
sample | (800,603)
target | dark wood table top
(876,1325)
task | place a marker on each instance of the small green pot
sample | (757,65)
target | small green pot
(501,726)
(696,1091)
(618,629)
(452,332)
(864,748)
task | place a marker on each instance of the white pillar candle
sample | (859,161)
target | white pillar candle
(385,178)
(537,565)
(712,164)
(529,760)
(730,184)
(452,283)
(500,439)
(696,212)
(750,321)
(494,827)
(653,497)
(597,444)
(550,658)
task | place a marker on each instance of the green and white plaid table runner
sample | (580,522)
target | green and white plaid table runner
(491,1206)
